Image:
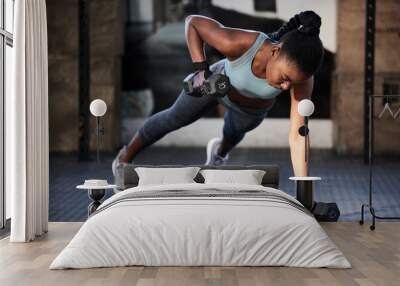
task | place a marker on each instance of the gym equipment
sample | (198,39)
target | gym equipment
(371,154)
(386,107)
(214,85)
(369,107)
(397,114)
(326,211)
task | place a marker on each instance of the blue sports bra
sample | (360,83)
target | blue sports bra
(242,78)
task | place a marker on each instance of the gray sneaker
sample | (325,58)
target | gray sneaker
(212,157)
(116,161)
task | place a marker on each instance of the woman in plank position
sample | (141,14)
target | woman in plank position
(259,67)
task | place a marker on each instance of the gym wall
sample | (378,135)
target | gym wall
(106,48)
(348,78)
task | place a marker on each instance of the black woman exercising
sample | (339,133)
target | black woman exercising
(259,67)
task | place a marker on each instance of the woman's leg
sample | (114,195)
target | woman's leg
(236,125)
(185,110)
(134,147)
(225,147)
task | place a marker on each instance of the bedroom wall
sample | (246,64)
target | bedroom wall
(106,47)
(348,91)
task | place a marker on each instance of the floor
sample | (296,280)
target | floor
(344,179)
(374,255)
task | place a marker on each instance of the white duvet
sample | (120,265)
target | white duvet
(182,231)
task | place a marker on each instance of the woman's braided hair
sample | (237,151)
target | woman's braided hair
(300,41)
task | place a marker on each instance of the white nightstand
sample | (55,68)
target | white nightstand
(305,190)
(96,191)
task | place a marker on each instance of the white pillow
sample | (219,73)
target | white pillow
(162,176)
(250,177)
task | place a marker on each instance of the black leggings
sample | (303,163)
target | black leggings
(186,109)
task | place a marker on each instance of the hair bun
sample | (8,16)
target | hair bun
(310,23)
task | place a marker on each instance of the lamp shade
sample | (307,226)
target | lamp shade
(98,107)
(305,107)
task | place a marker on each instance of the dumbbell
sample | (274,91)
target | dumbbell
(215,85)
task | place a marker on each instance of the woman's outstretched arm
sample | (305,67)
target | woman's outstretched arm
(230,42)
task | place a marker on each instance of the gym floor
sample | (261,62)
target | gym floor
(344,178)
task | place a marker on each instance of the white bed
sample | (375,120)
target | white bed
(201,224)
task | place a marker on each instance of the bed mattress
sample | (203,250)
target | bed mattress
(197,224)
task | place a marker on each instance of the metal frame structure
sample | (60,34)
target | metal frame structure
(369,75)
(369,107)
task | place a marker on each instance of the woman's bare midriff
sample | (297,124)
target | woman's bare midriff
(245,101)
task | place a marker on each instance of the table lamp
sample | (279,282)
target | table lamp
(305,185)
(98,108)
(305,108)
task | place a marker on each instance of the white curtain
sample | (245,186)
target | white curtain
(27,148)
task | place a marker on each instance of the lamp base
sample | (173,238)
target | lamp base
(95,195)
(305,190)
(305,193)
